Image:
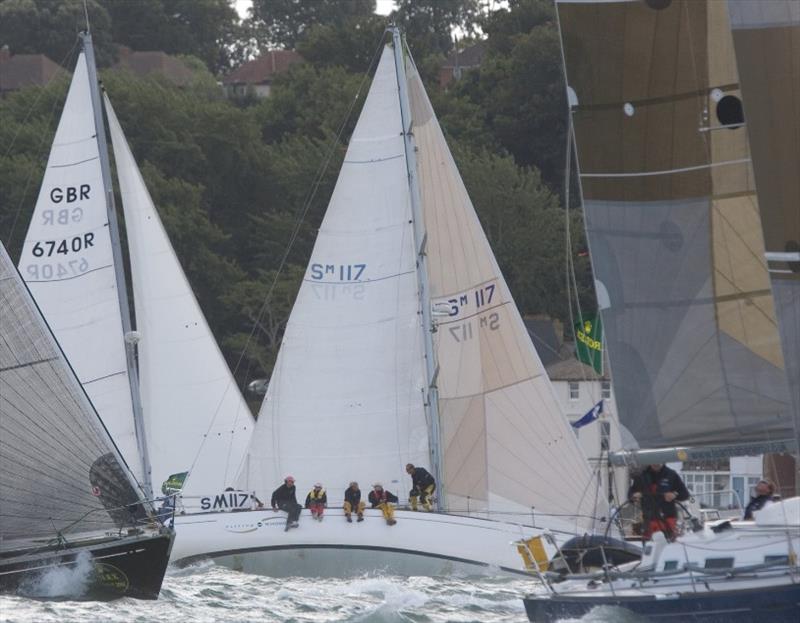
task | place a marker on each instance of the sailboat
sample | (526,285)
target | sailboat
(404,346)
(68,503)
(162,385)
(703,348)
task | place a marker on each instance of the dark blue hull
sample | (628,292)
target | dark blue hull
(757,605)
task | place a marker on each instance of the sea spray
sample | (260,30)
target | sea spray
(66,581)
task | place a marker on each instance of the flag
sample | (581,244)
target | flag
(589,342)
(594,414)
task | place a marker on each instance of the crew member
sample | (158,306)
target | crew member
(423,486)
(384,500)
(658,488)
(352,502)
(763,496)
(285,498)
(317,501)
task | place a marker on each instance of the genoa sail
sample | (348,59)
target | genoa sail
(195,417)
(67,262)
(60,472)
(505,437)
(674,222)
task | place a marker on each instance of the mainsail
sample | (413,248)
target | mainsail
(67,262)
(506,440)
(59,469)
(346,400)
(195,417)
(766,37)
(673,222)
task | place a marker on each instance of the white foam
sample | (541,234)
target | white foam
(64,581)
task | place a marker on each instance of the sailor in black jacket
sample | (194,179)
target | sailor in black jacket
(659,488)
(285,499)
(352,502)
(423,486)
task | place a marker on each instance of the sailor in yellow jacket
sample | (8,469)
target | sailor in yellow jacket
(317,501)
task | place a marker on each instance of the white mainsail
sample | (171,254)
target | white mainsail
(345,399)
(195,417)
(506,441)
(68,265)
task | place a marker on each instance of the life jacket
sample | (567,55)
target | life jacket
(314,495)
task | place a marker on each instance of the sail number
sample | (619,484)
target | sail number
(47,248)
(463,331)
(479,297)
(344,272)
(58,270)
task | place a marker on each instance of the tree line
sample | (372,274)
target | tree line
(231,178)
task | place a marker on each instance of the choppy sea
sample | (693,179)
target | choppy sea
(208,593)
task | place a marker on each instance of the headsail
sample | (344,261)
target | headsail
(195,417)
(506,439)
(673,222)
(59,469)
(345,400)
(67,262)
(766,37)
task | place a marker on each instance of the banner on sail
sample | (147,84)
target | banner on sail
(589,342)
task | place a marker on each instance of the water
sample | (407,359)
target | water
(208,593)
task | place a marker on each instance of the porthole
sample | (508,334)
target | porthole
(730,112)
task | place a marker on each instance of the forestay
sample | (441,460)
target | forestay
(766,37)
(67,263)
(507,444)
(345,401)
(50,436)
(673,222)
(195,417)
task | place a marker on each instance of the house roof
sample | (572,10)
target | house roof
(145,63)
(21,70)
(471,56)
(572,370)
(263,68)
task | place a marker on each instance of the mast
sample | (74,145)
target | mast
(122,287)
(420,240)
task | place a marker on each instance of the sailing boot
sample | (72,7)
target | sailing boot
(349,517)
(361,517)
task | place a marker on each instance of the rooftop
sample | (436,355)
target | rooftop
(264,68)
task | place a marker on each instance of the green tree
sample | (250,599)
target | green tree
(284,23)
(51,27)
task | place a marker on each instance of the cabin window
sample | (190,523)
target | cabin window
(719,563)
(605,436)
(730,112)
(606,390)
(776,560)
(670,565)
(574,391)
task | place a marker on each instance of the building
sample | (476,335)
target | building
(255,77)
(154,63)
(24,70)
(460,61)
(725,484)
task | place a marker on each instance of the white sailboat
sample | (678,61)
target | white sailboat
(163,388)
(687,227)
(404,345)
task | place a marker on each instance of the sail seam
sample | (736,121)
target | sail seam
(699,167)
(71,164)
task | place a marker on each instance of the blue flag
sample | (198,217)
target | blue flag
(590,417)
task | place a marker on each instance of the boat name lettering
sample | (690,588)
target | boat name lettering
(344,272)
(57,270)
(70,193)
(463,331)
(63,216)
(64,246)
(479,297)
(229,499)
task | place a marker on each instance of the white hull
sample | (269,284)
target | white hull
(419,544)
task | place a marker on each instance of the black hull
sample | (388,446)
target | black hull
(123,567)
(762,605)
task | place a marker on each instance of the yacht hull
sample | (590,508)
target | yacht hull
(736,604)
(111,568)
(419,544)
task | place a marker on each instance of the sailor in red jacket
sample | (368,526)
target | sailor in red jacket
(659,487)
(385,500)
